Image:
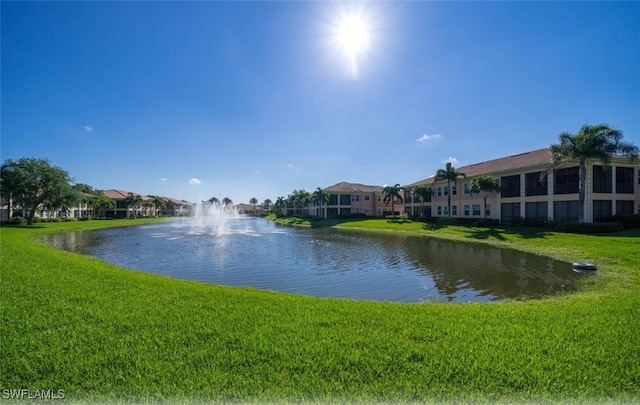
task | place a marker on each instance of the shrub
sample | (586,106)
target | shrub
(590,227)
(628,221)
(18,220)
(446,221)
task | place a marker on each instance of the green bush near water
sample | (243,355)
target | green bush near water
(106,334)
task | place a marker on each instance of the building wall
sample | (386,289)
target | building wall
(558,206)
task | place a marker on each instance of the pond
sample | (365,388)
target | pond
(325,262)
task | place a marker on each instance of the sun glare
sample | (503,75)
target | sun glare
(353,35)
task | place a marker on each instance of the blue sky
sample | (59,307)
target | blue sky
(255,99)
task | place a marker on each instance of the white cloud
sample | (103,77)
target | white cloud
(290,165)
(163,179)
(453,160)
(194,181)
(88,128)
(427,137)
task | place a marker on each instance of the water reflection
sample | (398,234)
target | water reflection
(327,262)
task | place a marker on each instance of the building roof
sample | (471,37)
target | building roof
(345,187)
(534,160)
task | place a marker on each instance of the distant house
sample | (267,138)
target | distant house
(348,199)
(531,189)
(248,209)
(120,209)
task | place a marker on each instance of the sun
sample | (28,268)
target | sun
(353,35)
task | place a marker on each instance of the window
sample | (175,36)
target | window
(476,209)
(601,179)
(601,210)
(454,210)
(509,211)
(487,210)
(439,210)
(366,211)
(566,181)
(366,198)
(466,210)
(536,210)
(357,197)
(624,207)
(535,184)
(446,190)
(566,210)
(466,187)
(120,204)
(333,199)
(439,191)
(446,210)
(510,186)
(454,190)
(345,199)
(379,198)
(624,180)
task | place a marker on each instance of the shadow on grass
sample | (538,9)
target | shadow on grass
(34,226)
(496,233)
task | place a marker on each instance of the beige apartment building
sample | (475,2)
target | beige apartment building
(174,207)
(531,189)
(347,199)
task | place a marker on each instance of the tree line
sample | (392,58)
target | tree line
(32,184)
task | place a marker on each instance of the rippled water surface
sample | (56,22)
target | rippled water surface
(325,262)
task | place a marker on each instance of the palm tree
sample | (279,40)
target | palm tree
(267,204)
(102,203)
(320,197)
(227,202)
(132,201)
(159,203)
(253,201)
(279,205)
(449,174)
(214,201)
(486,184)
(390,193)
(421,191)
(592,142)
(147,206)
(300,199)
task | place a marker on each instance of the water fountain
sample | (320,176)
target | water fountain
(212,217)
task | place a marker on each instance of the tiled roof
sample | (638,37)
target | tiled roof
(534,160)
(345,187)
(115,194)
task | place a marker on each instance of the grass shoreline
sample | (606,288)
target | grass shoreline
(107,334)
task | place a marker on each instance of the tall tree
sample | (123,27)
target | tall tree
(391,193)
(159,203)
(421,191)
(279,205)
(320,197)
(102,203)
(484,184)
(253,201)
(449,174)
(34,183)
(133,200)
(267,204)
(593,142)
(300,199)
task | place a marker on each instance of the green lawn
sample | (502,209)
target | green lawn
(106,334)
